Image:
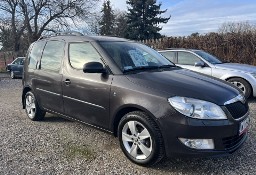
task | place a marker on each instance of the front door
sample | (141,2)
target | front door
(85,95)
(187,60)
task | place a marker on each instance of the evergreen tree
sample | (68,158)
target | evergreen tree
(107,20)
(120,26)
(144,19)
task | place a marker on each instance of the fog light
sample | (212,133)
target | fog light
(198,143)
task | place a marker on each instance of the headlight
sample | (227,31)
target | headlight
(197,108)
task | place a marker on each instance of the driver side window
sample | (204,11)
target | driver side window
(187,58)
(81,53)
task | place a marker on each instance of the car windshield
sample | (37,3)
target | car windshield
(208,57)
(130,56)
(18,61)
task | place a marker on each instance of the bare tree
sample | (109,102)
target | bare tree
(91,27)
(6,35)
(11,21)
(236,27)
(42,15)
(29,19)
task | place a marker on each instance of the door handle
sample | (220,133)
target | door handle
(67,82)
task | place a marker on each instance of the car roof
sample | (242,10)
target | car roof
(179,49)
(20,58)
(70,38)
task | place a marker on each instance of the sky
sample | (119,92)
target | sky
(202,16)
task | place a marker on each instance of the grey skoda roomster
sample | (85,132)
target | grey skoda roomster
(128,89)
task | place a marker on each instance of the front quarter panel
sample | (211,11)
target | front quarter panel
(204,70)
(125,94)
(227,74)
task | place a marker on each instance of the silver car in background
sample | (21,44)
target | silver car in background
(241,75)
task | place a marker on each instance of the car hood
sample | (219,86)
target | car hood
(185,83)
(237,67)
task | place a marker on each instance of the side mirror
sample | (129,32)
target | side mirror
(199,64)
(94,67)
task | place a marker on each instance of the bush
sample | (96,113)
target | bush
(237,47)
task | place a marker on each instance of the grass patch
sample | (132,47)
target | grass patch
(73,151)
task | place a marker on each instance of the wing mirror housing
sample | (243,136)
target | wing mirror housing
(94,67)
(199,64)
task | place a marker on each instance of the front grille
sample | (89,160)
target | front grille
(237,109)
(230,142)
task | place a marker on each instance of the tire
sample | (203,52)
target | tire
(32,108)
(243,85)
(148,150)
(12,75)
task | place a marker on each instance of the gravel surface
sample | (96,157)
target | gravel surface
(59,146)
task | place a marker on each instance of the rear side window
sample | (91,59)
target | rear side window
(169,55)
(52,56)
(35,54)
(81,53)
(187,58)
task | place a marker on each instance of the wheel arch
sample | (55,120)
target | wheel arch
(120,112)
(242,79)
(25,90)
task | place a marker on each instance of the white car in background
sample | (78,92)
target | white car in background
(241,75)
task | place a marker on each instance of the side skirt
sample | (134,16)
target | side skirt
(74,119)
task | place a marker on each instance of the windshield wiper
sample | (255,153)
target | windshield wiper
(141,68)
(148,68)
(167,66)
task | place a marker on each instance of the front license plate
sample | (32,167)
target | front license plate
(244,126)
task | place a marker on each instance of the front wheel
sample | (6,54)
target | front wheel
(140,139)
(12,75)
(243,85)
(33,111)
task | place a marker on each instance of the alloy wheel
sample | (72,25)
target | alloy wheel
(239,85)
(30,106)
(12,75)
(137,140)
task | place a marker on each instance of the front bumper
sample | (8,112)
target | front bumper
(225,134)
(253,85)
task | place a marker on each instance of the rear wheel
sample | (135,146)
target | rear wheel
(32,109)
(243,85)
(140,139)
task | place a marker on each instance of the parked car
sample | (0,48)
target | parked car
(242,76)
(16,67)
(155,108)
